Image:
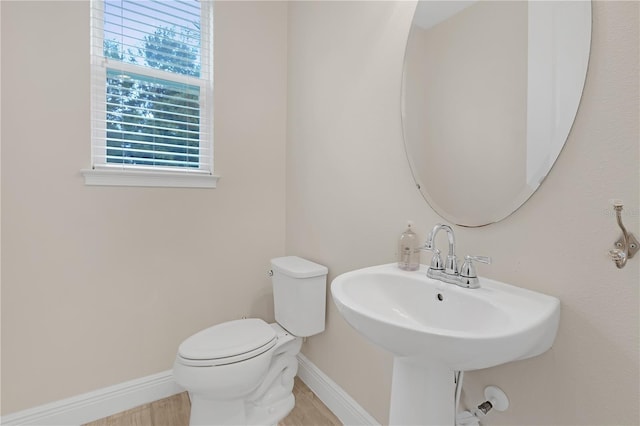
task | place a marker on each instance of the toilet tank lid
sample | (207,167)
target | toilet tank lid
(298,267)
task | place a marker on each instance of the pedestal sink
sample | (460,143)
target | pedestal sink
(433,329)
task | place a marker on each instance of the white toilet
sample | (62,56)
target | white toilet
(241,372)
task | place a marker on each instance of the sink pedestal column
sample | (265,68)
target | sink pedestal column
(422,393)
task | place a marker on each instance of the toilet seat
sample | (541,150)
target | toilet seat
(227,343)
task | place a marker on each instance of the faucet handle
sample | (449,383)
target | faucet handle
(481,259)
(468,270)
(436,260)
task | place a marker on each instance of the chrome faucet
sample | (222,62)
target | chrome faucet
(451,266)
(449,273)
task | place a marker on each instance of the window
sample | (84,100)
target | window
(151,93)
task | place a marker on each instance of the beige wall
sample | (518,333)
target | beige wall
(349,192)
(99,284)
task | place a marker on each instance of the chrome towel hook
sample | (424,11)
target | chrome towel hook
(627,244)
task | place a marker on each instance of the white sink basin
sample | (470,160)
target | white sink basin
(411,315)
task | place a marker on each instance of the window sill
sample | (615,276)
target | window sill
(147,178)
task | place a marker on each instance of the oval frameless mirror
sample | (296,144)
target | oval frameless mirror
(490,91)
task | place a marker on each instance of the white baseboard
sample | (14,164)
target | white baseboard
(115,399)
(333,396)
(98,404)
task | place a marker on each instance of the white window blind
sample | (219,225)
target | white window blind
(152,86)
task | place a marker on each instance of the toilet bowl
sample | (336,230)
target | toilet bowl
(241,372)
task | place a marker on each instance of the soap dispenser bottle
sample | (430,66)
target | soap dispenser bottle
(408,253)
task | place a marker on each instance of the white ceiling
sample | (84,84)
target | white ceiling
(430,13)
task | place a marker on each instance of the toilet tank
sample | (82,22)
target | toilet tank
(299,295)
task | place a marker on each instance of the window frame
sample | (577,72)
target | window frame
(117,174)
